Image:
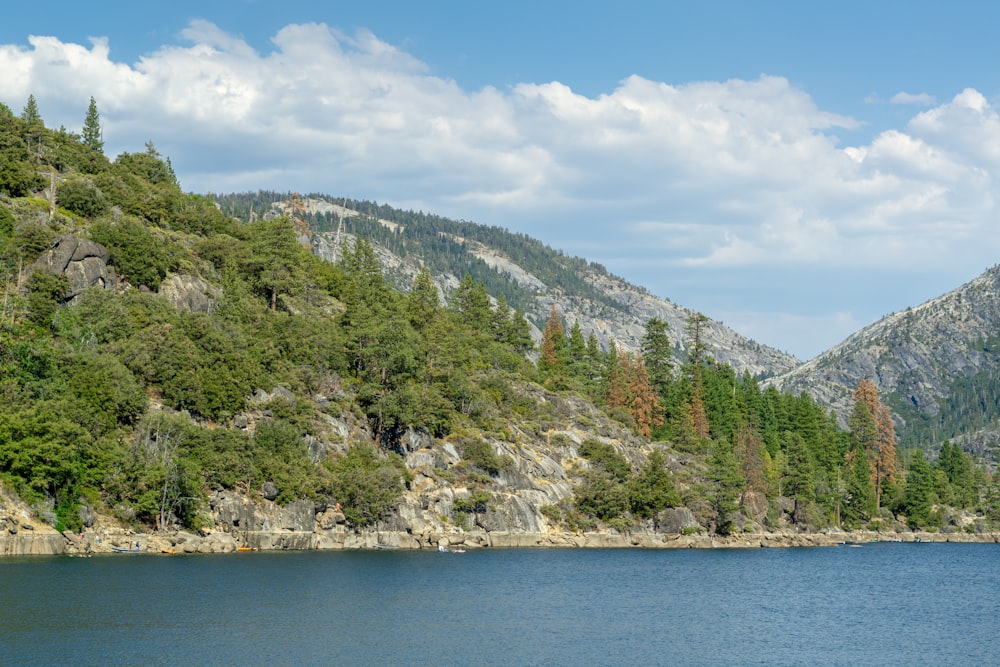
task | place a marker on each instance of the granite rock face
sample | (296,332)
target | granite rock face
(191,294)
(82,261)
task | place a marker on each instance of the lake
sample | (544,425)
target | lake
(879,604)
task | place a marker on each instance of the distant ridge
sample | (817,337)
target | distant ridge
(529,274)
(936,364)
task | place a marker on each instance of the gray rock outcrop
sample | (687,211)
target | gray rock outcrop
(82,261)
(189,293)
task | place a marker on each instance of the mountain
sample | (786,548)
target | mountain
(171,360)
(937,365)
(530,275)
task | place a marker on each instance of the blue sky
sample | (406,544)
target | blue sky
(796,170)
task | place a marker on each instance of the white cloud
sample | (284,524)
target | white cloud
(917,99)
(706,174)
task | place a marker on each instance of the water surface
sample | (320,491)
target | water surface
(881,604)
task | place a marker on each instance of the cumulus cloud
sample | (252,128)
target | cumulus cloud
(706,174)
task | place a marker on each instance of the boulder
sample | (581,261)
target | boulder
(676,520)
(330,519)
(191,294)
(82,261)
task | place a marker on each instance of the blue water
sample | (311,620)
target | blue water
(882,604)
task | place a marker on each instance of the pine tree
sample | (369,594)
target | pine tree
(552,360)
(860,501)
(33,127)
(277,263)
(644,403)
(917,494)
(876,435)
(577,351)
(92,134)
(30,115)
(472,302)
(519,333)
(615,393)
(422,303)
(798,480)
(694,373)
(724,472)
(659,355)
(595,360)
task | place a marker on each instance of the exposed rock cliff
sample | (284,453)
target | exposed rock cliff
(914,357)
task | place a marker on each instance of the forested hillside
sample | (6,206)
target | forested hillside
(156,350)
(530,276)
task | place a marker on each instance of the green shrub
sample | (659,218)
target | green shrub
(141,257)
(601,496)
(477,502)
(605,457)
(367,485)
(552,512)
(81,197)
(6,222)
(481,454)
(45,292)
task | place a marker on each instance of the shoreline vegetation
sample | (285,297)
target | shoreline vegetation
(46,541)
(223,366)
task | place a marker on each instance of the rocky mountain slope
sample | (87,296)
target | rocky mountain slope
(935,364)
(614,309)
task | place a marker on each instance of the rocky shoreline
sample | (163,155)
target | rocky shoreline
(32,541)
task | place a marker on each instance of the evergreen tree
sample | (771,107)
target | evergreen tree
(422,303)
(552,360)
(615,394)
(860,501)
(595,360)
(697,347)
(875,433)
(93,135)
(652,490)
(33,127)
(918,491)
(577,352)
(659,356)
(693,372)
(30,115)
(472,303)
(519,333)
(500,320)
(277,258)
(798,480)
(727,483)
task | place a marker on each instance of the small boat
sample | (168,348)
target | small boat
(165,550)
(129,550)
(246,548)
